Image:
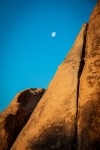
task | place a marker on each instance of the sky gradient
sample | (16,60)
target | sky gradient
(29,55)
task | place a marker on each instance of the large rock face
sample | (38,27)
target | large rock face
(13,119)
(53,123)
(89,91)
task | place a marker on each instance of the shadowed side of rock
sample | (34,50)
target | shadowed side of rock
(15,116)
(53,123)
(89,88)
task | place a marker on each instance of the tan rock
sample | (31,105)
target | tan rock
(53,123)
(89,88)
(16,115)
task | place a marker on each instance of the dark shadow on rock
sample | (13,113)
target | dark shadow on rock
(53,138)
(14,124)
(89,115)
(24,97)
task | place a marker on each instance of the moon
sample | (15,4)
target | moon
(53,34)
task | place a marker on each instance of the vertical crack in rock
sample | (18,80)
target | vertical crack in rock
(79,75)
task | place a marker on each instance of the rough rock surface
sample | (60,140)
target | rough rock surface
(89,88)
(13,119)
(53,123)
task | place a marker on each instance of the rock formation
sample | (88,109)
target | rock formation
(68,115)
(53,123)
(89,88)
(13,119)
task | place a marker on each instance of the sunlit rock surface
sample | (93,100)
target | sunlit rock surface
(89,88)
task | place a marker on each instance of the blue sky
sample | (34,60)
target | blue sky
(29,55)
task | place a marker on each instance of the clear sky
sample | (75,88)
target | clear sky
(29,55)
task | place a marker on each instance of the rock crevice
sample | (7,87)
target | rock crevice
(79,75)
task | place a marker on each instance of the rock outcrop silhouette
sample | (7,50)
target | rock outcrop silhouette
(67,116)
(13,119)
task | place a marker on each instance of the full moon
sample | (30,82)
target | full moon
(53,34)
